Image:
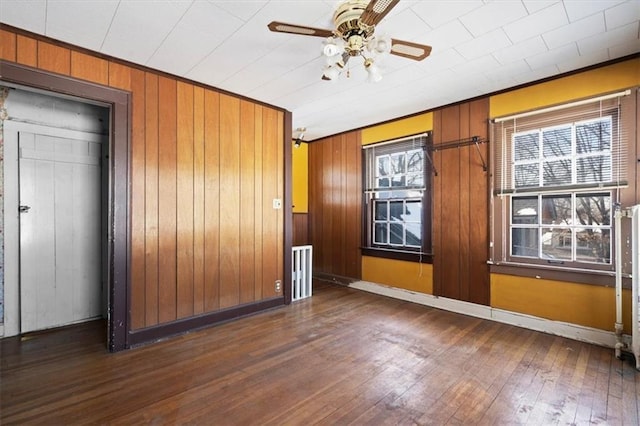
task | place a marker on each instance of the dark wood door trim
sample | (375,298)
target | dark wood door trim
(117,186)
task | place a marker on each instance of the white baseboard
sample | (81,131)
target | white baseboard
(572,331)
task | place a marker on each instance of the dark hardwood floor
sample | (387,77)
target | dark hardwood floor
(340,357)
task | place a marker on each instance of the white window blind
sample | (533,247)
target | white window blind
(569,147)
(396,165)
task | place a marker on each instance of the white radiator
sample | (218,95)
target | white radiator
(634,214)
(635,284)
(301,276)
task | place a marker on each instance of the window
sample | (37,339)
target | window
(558,174)
(575,153)
(573,227)
(395,200)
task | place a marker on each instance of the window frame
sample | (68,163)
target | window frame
(423,252)
(540,226)
(623,192)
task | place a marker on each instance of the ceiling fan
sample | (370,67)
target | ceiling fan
(355,22)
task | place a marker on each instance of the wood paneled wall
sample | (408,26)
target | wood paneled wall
(461,204)
(335,205)
(205,168)
(301,229)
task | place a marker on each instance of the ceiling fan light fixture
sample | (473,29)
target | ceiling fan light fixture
(353,36)
(380,45)
(374,74)
(333,47)
(332,72)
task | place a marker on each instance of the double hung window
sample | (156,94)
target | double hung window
(558,176)
(396,184)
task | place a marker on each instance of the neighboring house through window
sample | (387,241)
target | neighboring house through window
(397,205)
(558,175)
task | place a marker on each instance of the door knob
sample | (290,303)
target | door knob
(24,209)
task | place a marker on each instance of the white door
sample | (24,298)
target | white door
(60,245)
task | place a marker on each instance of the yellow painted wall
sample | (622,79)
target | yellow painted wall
(582,304)
(587,305)
(398,273)
(300,172)
(397,129)
(578,86)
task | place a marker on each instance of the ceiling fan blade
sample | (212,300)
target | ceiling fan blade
(408,49)
(281,27)
(376,10)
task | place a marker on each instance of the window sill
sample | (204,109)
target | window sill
(556,273)
(408,256)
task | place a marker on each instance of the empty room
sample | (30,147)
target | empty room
(323,212)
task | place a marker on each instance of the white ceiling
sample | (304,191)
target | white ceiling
(479,46)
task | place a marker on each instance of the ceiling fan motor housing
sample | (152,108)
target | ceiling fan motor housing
(350,28)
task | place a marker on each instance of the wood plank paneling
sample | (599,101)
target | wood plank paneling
(120,78)
(436,208)
(27,51)
(230,204)
(270,192)
(449,179)
(151,199)
(185,202)
(335,205)
(8,47)
(479,291)
(136,81)
(301,229)
(54,58)
(198,200)
(353,204)
(186,152)
(338,170)
(247,202)
(87,67)
(258,202)
(460,206)
(279,144)
(167,199)
(464,206)
(212,201)
(327,242)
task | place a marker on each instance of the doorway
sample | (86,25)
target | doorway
(53,152)
(114,180)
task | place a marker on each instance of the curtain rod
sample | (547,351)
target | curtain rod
(563,106)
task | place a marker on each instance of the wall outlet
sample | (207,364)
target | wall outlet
(277,203)
(278,286)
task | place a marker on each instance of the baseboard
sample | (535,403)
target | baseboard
(336,279)
(160,332)
(571,331)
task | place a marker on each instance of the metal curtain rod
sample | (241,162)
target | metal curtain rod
(473,140)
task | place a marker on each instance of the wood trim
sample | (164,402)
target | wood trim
(181,326)
(398,255)
(333,278)
(118,187)
(558,274)
(288,204)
